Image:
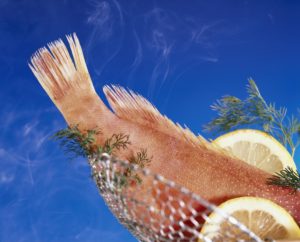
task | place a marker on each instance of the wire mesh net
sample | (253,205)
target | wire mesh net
(153,208)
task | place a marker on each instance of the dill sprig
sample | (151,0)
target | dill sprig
(287,177)
(116,142)
(141,158)
(78,143)
(255,111)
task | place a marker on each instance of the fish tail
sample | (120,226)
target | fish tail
(66,78)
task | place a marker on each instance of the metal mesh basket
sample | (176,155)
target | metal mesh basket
(158,209)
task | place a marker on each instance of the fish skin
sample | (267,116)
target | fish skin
(178,155)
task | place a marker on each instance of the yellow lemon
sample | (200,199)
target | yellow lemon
(263,217)
(256,148)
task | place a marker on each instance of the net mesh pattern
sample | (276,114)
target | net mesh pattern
(153,208)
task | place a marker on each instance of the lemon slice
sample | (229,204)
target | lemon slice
(266,219)
(256,148)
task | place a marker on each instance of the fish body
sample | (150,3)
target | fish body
(177,154)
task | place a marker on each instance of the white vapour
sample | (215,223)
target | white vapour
(160,34)
(106,19)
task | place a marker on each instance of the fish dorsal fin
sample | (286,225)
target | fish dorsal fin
(133,107)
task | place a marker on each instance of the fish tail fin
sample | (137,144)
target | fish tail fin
(65,77)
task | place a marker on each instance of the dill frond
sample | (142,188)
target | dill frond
(76,143)
(83,144)
(255,111)
(116,142)
(287,177)
(231,113)
(141,158)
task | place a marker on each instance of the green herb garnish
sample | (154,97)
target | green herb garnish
(255,112)
(141,158)
(78,143)
(287,177)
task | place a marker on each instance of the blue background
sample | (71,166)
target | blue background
(181,55)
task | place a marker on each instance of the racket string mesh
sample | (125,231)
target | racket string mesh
(153,208)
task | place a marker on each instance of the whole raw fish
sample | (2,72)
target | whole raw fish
(178,154)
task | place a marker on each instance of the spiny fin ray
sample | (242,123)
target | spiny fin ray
(57,72)
(135,108)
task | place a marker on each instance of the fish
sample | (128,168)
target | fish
(178,154)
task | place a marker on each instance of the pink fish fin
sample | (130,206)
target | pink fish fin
(58,72)
(133,107)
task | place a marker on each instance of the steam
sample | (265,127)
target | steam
(101,18)
(164,36)
(138,58)
(106,19)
